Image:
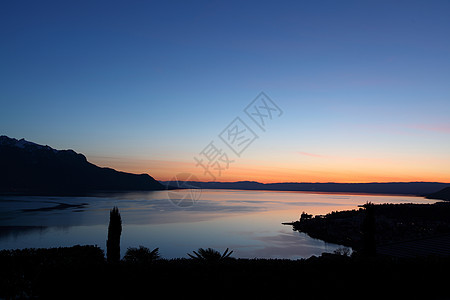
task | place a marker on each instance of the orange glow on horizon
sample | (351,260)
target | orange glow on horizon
(338,172)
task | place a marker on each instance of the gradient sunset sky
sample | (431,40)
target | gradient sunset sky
(146,86)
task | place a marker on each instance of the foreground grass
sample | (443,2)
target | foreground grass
(82,272)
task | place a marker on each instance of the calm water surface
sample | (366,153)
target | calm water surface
(248,222)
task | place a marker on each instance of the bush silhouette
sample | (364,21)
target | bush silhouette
(114,232)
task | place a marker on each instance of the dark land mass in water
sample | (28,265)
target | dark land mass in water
(29,168)
(81,272)
(392,223)
(403,188)
(443,194)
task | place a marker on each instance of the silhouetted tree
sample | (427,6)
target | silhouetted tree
(368,230)
(304,216)
(114,232)
(141,255)
(210,255)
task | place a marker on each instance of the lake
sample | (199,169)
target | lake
(178,222)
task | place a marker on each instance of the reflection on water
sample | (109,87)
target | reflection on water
(249,222)
(13,232)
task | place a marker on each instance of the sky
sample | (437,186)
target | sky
(352,91)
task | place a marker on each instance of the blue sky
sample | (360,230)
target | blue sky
(143,86)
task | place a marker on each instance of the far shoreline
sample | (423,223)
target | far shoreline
(421,189)
(327,193)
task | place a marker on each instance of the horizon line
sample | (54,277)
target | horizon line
(329,182)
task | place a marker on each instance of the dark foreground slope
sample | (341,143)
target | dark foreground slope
(26,167)
(81,272)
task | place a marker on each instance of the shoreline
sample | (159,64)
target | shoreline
(326,193)
(390,188)
(392,223)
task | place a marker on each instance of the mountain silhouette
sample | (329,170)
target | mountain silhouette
(407,188)
(26,167)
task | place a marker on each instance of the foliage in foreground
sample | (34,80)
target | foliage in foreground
(141,255)
(210,255)
(81,272)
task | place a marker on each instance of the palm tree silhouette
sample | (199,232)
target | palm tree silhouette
(141,255)
(210,255)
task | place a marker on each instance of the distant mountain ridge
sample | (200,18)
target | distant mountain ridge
(27,167)
(407,188)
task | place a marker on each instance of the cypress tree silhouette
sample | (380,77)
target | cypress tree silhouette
(368,230)
(114,232)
